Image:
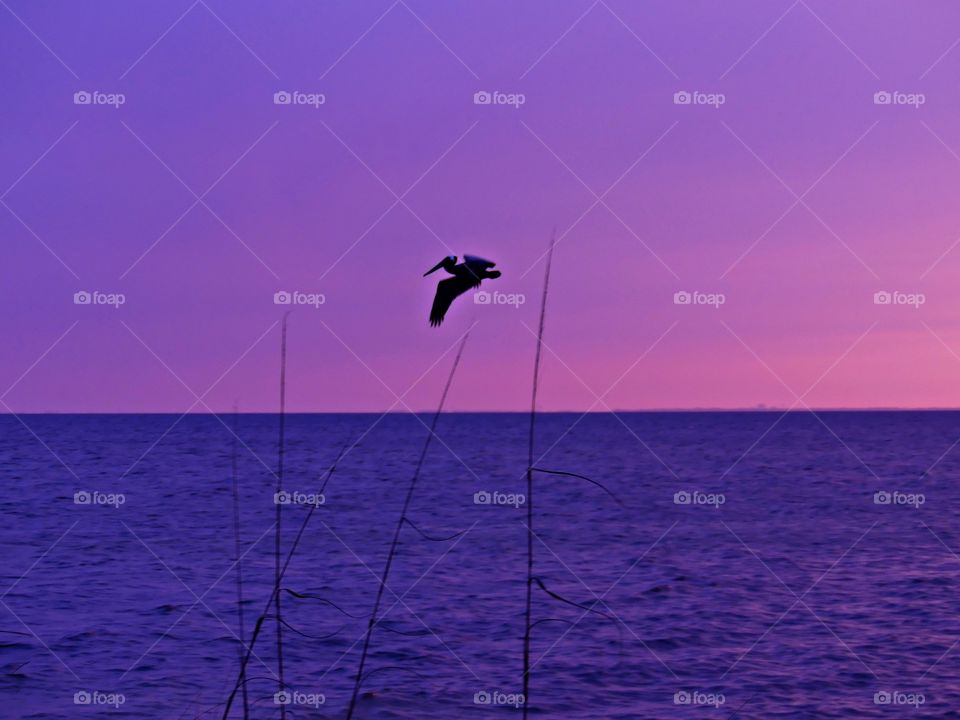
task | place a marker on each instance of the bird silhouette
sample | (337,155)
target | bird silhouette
(465,276)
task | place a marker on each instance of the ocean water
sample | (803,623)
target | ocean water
(757,566)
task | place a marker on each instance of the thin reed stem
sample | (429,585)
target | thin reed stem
(236,560)
(533,419)
(371,623)
(275,594)
(277,530)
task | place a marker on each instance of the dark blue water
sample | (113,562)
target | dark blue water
(780,585)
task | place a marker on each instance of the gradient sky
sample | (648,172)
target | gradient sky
(302,198)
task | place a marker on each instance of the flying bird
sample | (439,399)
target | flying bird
(466,276)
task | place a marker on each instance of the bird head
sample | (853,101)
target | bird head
(447,263)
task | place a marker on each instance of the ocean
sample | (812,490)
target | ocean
(752,565)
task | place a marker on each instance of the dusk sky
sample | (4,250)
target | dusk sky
(788,189)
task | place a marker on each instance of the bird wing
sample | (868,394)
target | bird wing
(447,291)
(472,261)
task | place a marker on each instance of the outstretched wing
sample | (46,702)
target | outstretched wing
(447,291)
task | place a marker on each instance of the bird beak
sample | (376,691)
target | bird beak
(435,267)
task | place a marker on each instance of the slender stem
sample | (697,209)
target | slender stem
(373,620)
(236,560)
(279,506)
(533,418)
(258,626)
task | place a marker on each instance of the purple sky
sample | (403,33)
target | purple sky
(305,198)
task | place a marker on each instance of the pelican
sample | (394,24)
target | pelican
(466,276)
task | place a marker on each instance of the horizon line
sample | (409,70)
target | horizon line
(651,411)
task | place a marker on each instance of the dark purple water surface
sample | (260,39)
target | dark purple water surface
(799,597)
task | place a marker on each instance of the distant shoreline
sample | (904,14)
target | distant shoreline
(401,413)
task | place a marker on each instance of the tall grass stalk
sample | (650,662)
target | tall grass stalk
(530,469)
(236,560)
(258,626)
(373,620)
(277,529)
